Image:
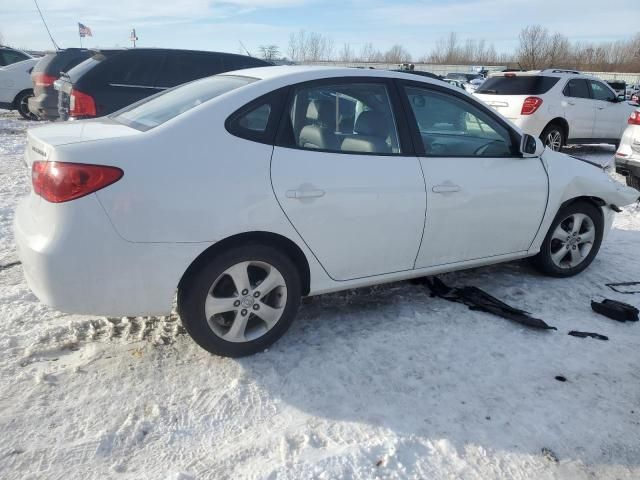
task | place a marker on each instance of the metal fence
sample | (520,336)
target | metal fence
(630,78)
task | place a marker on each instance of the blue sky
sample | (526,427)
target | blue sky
(221,25)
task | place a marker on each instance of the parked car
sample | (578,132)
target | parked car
(9,56)
(465,77)
(419,72)
(628,153)
(113,79)
(15,80)
(456,83)
(245,191)
(619,87)
(44,103)
(559,106)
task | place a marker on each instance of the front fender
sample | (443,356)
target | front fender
(570,178)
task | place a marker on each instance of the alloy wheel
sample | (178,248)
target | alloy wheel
(23,108)
(572,240)
(553,140)
(246,301)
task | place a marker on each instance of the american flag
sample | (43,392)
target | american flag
(84,31)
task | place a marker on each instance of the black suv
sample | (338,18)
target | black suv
(44,103)
(113,79)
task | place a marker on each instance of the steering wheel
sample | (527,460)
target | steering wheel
(478,152)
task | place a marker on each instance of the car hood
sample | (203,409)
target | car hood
(63,133)
(572,177)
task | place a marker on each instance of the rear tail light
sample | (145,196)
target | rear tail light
(43,80)
(59,182)
(81,104)
(530,105)
(634,118)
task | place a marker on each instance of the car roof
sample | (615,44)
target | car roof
(288,74)
(549,72)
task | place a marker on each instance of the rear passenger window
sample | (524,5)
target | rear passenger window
(347,118)
(256,120)
(577,88)
(183,67)
(134,68)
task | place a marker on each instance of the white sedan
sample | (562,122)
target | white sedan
(245,191)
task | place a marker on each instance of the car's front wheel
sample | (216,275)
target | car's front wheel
(572,242)
(239,302)
(21,103)
(553,137)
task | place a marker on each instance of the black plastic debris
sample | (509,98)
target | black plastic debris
(597,336)
(479,300)
(8,265)
(620,311)
(550,455)
(620,287)
(560,378)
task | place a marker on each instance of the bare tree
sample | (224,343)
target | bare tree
(346,54)
(269,52)
(397,54)
(309,47)
(369,54)
(534,43)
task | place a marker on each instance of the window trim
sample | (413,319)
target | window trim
(514,136)
(277,99)
(405,141)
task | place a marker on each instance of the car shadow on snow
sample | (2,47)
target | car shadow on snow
(393,358)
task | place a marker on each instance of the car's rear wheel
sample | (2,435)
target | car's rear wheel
(553,137)
(572,242)
(21,103)
(241,301)
(633,181)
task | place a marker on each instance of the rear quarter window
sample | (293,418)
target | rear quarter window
(518,85)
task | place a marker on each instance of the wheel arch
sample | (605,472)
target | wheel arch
(561,122)
(282,243)
(15,99)
(595,201)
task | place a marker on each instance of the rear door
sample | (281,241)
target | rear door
(483,198)
(579,108)
(345,175)
(126,78)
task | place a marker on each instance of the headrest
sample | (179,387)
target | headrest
(371,123)
(321,112)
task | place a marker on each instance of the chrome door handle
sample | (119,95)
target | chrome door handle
(446,188)
(571,103)
(601,108)
(300,194)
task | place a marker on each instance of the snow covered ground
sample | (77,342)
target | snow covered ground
(382,382)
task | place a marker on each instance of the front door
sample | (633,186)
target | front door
(483,199)
(611,115)
(344,180)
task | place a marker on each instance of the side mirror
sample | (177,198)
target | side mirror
(531,146)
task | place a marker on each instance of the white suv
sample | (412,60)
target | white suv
(559,106)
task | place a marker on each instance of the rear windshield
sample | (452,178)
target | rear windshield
(156,110)
(62,61)
(617,85)
(79,70)
(518,85)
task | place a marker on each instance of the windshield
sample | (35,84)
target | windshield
(160,108)
(518,85)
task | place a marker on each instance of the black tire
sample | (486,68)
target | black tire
(22,106)
(553,131)
(543,261)
(194,289)
(633,181)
